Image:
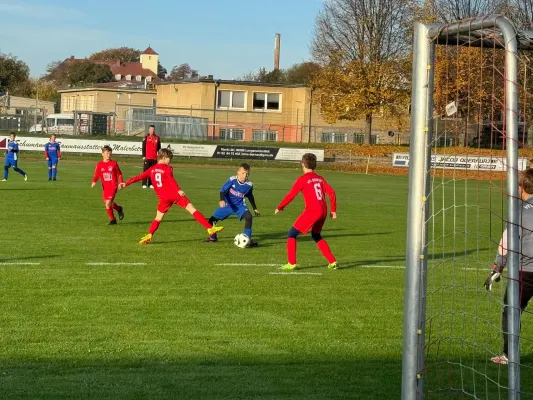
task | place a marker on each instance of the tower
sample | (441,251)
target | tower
(150,60)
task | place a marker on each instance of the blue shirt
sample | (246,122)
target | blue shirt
(14,147)
(52,150)
(235,192)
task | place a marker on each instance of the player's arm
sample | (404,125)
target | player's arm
(58,152)
(499,263)
(144,148)
(223,191)
(251,199)
(296,188)
(332,199)
(158,144)
(96,176)
(120,178)
(15,148)
(46,152)
(140,177)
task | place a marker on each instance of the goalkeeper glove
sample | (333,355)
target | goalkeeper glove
(494,276)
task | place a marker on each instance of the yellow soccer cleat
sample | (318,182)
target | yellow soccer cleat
(146,239)
(214,229)
(288,267)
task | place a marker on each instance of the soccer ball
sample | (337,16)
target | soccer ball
(241,241)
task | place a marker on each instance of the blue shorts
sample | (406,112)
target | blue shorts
(224,212)
(52,161)
(10,163)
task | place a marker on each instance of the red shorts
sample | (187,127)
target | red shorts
(310,221)
(165,204)
(109,194)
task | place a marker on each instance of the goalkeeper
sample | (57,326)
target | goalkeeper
(525,189)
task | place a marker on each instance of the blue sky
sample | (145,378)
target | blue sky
(225,38)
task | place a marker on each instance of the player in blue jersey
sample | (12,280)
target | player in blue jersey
(233,197)
(52,151)
(12,158)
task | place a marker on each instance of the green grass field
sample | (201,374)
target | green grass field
(89,313)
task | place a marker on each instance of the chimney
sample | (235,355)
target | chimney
(276,51)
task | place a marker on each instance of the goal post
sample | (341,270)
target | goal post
(493,32)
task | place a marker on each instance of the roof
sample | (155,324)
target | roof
(107,88)
(149,50)
(229,82)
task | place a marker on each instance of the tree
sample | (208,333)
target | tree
(86,73)
(364,46)
(182,71)
(454,10)
(14,75)
(123,54)
(302,73)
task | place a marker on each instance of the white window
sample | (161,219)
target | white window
(148,79)
(128,77)
(138,77)
(73,105)
(232,100)
(267,101)
(118,77)
(259,135)
(231,134)
(332,137)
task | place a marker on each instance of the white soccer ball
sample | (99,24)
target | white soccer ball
(241,241)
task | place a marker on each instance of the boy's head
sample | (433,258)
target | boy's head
(106,152)
(525,183)
(52,138)
(309,161)
(164,156)
(151,129)
(243,172)
(12,136)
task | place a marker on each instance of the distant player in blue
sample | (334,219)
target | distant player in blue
(12,158)
(52,151)
(232,201)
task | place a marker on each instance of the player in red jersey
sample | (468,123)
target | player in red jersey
(110,174)
(169,193)
(313,188)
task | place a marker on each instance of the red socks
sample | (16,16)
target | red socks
(324,248)
(201,219)
(110,213)
(291,250)
(154,226)
(116,207)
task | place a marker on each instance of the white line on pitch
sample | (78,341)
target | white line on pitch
(19,263)
(248,265)
(295,273)
(115,263)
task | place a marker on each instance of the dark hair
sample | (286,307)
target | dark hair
(107,148)
(245,166)
(12,134)
(525,180)
(165,153)
(152,126)
(309,161)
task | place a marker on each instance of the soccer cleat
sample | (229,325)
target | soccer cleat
(26,178)
(288,266)
(144,186)
(151,186)
(146,239)
(214,229)
(500,360)
(113,222)
(53,179)
(121,213)
(3,180)
(210,240)
(333,265)
(49,179)
(253,243)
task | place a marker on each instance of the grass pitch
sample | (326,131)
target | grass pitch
(89,313)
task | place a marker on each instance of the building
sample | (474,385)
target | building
(144,71)
(14,105)
(252,111)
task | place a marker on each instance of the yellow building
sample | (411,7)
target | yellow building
(252,111)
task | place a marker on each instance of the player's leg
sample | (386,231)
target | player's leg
(220,214)
(247,216)
(108,201)
(6,171)
(54,170)
(184,202)
(291,249)
(323,246)
(17,169)
(119,210)
(49,164)
(146,165)
(151,163)
(162,207)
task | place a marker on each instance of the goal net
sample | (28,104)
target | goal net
(471,135)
